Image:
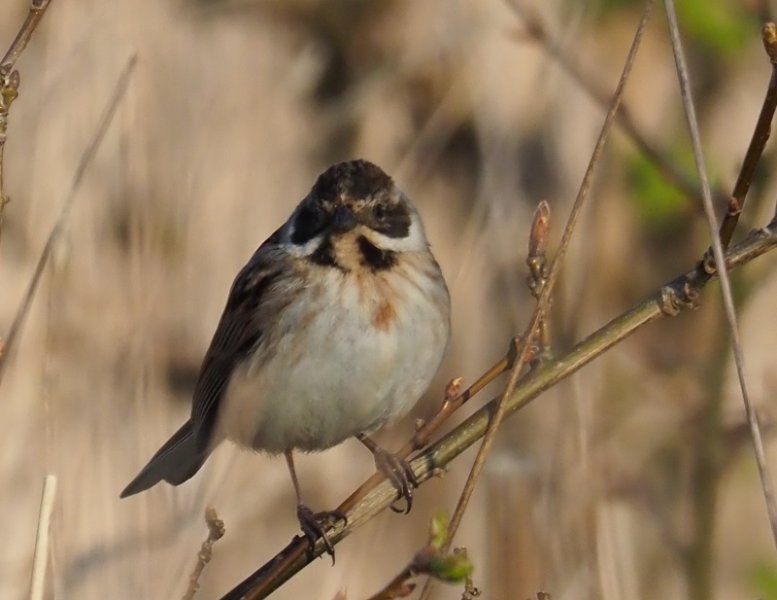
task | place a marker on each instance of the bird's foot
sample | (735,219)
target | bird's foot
(314,526)
(397,470)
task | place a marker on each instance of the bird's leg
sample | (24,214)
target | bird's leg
(313,525)
(396,469)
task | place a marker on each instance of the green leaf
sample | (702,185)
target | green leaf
(658,202)
(453,568)
(720,25)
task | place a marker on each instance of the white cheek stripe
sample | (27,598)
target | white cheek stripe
(414,241)
(305,249)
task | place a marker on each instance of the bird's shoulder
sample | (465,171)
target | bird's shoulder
(257,294)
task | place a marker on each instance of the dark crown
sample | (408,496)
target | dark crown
(354,179)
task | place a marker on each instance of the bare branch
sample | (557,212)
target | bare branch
(9,82)
(35,14)
(373,495)
(757,142)
(215,533)
(296,555)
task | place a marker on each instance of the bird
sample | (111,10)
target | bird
(334,329)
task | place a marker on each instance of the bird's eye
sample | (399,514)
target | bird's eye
(307,225)
(391,219)
(380,211)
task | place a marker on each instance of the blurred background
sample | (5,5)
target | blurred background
(633,479)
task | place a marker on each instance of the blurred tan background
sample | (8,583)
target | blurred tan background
(632,480)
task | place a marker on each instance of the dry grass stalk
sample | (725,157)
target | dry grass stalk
(41,556)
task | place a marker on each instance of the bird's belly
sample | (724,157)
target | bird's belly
(335,375)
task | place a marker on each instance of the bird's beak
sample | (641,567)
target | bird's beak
(344,220)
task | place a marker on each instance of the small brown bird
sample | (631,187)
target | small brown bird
(334,328)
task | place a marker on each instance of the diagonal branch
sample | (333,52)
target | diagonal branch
(375,494)
(296,555)
(35,14)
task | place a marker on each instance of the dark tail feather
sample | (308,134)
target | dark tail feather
(175,462)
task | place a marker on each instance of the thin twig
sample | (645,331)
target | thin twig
(59,226)
(297,554)
(40,558)
(542,301)
(757,142)
(9,82)
(35,14)
(718,252)
(215,533)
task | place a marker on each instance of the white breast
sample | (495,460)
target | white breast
(353,355)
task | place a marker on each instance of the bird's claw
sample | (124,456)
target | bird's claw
(314,526)
(397,470)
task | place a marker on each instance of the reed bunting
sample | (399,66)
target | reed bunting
(333,329)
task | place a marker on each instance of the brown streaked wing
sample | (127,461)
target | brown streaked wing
(237,334)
